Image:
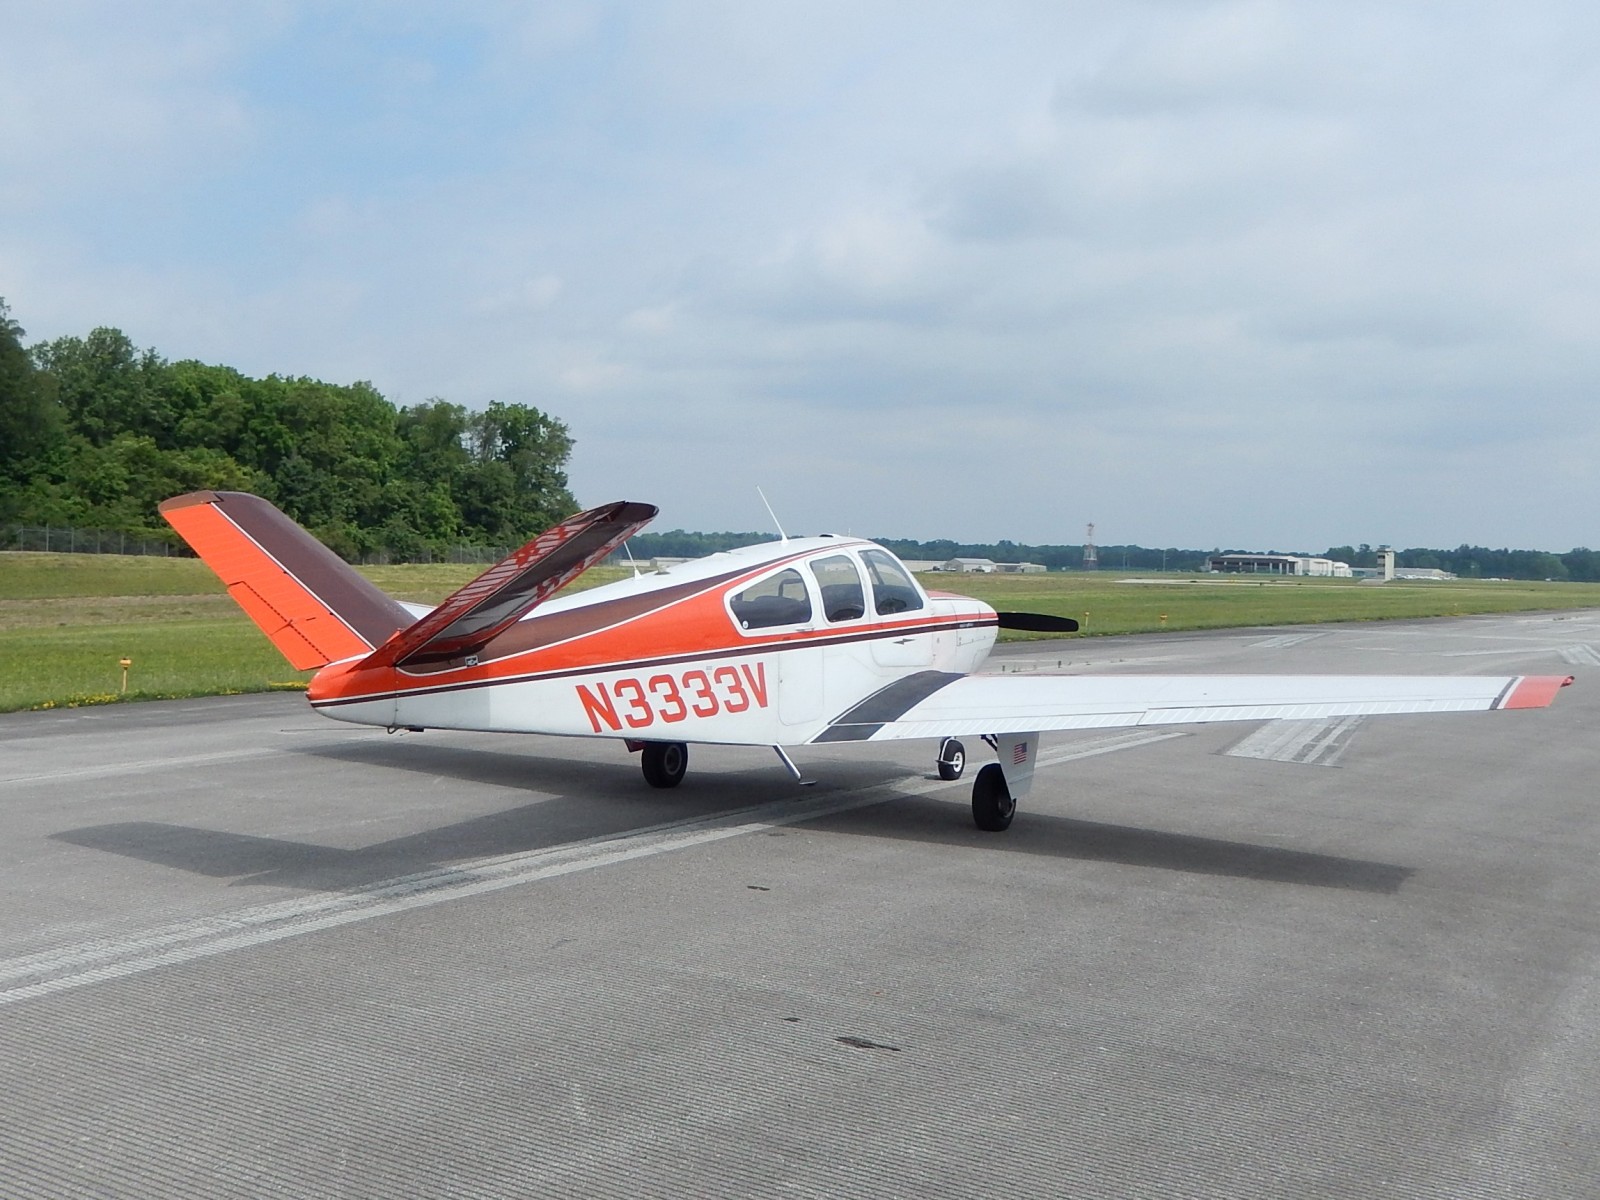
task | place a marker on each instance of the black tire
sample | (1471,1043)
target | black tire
(952,759)
(664,763)
(992,805)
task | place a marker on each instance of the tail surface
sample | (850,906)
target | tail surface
(313,605)
(474,615)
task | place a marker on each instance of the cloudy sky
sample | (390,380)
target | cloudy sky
(1257,275)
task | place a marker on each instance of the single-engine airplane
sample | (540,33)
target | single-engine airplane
(791,643)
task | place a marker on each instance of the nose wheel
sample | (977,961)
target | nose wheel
(952,759)
(992,805)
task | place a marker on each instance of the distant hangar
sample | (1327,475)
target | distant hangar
(1327,568)
(1277,564)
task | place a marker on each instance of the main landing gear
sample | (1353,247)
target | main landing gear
(992,805)
(664,763)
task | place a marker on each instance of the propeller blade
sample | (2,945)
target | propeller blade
(1037,622)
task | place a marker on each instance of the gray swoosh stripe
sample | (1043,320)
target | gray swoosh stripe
(885,705)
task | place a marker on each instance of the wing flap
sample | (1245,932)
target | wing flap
(475,614)
(979,704)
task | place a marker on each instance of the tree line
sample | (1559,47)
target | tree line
(1469,562)
(95,432)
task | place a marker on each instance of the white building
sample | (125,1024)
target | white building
(1277,564)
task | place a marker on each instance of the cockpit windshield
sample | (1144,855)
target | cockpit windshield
(840,585)
(892,589)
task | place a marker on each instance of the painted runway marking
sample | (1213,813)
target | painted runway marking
(1315,743)
(1285,639)
(1107,744)
(1581,656)
(139,766)
(1520,651)
(46,972)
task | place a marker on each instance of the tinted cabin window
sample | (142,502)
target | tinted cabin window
(892,589)
(840,583)
(776,600)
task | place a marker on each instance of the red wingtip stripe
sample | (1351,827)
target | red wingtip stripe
(1536,691)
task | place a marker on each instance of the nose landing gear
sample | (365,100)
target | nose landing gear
(952,759)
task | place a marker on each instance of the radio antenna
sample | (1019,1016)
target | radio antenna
(631,561)
(773,515)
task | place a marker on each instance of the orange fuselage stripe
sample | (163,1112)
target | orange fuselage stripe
(697,626)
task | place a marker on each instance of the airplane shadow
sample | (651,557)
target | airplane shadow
(608,799)
(926,820)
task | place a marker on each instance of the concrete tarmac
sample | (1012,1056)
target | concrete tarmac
(246,951)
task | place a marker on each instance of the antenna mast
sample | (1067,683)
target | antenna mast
(1091,557)
(772,514)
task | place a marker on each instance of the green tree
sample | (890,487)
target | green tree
(30,417)
(515,483)
(105,431)
(107,386)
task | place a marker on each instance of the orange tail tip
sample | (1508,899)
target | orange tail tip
(313,605)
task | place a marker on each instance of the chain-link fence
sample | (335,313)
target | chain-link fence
(483,555)
(62,539)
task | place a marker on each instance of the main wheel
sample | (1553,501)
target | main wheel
(992,805)
(952,759)
(664,763)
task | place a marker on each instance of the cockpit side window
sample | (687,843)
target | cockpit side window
(892,589)
(840,584)
(779,599)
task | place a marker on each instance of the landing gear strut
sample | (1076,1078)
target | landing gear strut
(952,759)
(992,805)
(664,763)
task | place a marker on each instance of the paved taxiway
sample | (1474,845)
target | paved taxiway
(246,951)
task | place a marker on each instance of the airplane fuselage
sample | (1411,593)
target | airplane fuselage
(759,646)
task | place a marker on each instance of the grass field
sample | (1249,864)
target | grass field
(66,620)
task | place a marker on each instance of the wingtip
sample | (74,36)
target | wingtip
(1536,691)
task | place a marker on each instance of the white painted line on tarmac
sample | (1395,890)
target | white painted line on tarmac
(1518,652)
(1313,743)
(1285,639)
(47,972)
(1107,744)
(139,766)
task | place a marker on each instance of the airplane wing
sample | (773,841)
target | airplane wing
(471,617)
(933,704)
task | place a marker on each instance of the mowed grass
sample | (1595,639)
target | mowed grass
(66,620)
(1108,603)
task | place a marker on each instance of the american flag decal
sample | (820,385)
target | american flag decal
(1019,754)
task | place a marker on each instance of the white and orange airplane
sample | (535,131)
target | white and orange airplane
(791,643)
